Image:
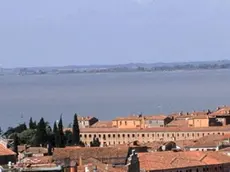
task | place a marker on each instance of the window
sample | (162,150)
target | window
(158,135)
(198,134)
(94,135)
(222,133)
(85,136)
(120,122)
(182,134)
(109,136)
(193,135)
(167,135)
(188,134)
(118,135)
(147,135)
(104,136)
(99,136)
(80,135)
(113,135)
(178,135)
(133,135)
(123,135)
(162,135)
(128,135)
(125,122)
(152,135)
(90,136)
(143,135)
(203,134)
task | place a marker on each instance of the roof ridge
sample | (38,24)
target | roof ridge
(174,159)
(202,158)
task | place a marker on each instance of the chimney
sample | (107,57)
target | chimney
(86,169)
(95,169)
(80,161)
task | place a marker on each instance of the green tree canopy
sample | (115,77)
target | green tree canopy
(41,134)
(76,131)
(32,124)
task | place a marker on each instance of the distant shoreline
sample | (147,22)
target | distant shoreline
(125,68)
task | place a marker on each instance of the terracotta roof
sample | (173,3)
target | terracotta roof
(85,118)
(184,143)
(178,123)
(74,153)
(209,141)
(5,151)
(33,150)
(131,117)
(139,117)
(155,129)
(222,111)
(102,124)
(188,114)
(173,160)
(38,160)
(91,163)
(155,117)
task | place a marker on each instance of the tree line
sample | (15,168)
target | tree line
(42,135)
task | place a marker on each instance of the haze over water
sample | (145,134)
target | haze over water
(109,95)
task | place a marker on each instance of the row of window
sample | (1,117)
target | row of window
(104,136)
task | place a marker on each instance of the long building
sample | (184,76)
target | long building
(115,136)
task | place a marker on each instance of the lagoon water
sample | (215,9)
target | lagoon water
(109,95)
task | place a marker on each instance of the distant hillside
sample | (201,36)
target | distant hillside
(131,67)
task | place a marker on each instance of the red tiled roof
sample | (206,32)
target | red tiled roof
(102,124)
(210,141)
(34,150)
(172,160)
(178,123)
(85,118)
(38,160)
(5,151)
(74,153)
(155,117)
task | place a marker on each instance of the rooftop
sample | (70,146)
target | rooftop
(102,124)
(100,153)
(209,141)
(5,151)
(172,160)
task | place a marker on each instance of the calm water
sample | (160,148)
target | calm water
(110,95)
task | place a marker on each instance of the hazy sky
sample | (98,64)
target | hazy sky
(78,32)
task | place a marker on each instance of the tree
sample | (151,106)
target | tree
(61,133)
(55,135)
(32,124)
(68,138)
(1,131)
(95,142)
(16,143)
(28,137)
(76,131)
(41,134)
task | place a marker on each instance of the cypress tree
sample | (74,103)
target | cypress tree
(55,135)
(16,143)
(61,133)
(76,131)
(41,134)
(32,124)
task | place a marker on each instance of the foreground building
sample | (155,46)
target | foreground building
(6,155)
(184,162)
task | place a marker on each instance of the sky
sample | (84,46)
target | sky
(86,32)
